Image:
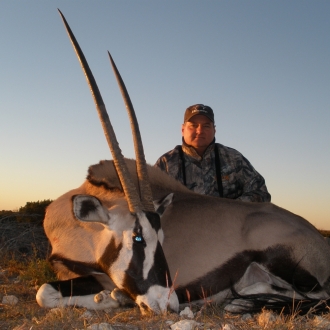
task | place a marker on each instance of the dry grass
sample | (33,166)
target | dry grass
(22,279)
(20,238)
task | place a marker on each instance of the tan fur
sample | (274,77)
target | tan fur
(201,233)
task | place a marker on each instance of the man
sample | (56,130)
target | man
(211,168)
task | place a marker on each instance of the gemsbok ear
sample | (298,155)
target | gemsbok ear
(162,204)
(88,208)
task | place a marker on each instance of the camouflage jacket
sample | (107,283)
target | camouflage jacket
(239,179)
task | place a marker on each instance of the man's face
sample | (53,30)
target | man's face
(198,132)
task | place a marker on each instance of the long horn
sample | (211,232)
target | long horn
(141,164)
(129,188)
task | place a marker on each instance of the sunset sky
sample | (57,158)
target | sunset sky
(263,66)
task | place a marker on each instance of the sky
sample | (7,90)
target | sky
(263,66)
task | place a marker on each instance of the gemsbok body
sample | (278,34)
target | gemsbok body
(132,233)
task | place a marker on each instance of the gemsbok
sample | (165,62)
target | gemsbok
(131,233)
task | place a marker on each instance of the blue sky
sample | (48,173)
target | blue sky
(263,66)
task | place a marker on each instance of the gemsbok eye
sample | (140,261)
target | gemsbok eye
(138,239)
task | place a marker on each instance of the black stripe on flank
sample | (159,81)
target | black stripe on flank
(109,256)
(77,267)
(278,260)
(80,286)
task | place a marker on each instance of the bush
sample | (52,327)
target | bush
(33,211)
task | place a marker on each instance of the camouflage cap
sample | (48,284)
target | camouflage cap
(198,109)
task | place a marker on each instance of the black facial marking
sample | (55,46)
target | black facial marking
(154,220)
(138,233)
(110,255)
(159,273)
(277,260)
(79,286)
